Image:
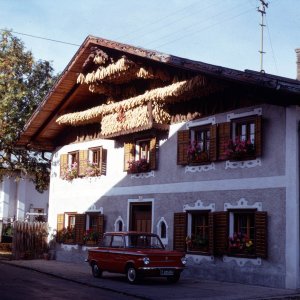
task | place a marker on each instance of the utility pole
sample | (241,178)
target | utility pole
(262,9)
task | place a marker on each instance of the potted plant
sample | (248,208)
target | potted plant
(92,170)
(195,154)
(240,243)
(90,237)
(239,149)
(70,172)
(138,166)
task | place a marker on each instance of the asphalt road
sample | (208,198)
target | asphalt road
(17,283)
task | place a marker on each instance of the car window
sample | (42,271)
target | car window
(117,241)
(143,241)
(106,241)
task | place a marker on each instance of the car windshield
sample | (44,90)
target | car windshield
(143,241)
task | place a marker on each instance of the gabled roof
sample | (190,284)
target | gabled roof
(42,129)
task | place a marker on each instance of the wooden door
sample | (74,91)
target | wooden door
(141,216)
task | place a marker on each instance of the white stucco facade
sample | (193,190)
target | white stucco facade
(19,197)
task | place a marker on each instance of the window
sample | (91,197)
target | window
(143,150)
(198,151)
(96,164)
(117,241)
(69,165)
(71,221)
(197,145)
(93,219)
(120,225)
(238,232)
(241,233)
(198,231)
(241,137)
(140,155)
(73,158)
(83,163)
(163,230)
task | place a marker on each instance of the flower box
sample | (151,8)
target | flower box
(138,166)
(240,150)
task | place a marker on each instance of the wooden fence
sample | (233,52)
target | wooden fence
(29,240)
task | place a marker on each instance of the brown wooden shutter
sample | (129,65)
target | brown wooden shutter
(183,142)
(211,233)
(223,138)
(261,238)
(152,160)
(63,164)
(180,227)
(60,225)
(128,154)
(103,161)
(220,223)
(258,136)
(79,228)
(100,226)
(83,162)
(213,143)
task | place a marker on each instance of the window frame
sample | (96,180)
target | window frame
(191,232)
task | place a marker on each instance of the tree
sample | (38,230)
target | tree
(24,83)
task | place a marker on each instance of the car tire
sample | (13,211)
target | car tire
(173,279)
(96,271)
(132,275)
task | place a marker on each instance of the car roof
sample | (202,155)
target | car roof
(129,233)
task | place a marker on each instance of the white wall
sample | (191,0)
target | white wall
(17,197)
(81,193)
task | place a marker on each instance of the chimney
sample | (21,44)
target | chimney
(298,63)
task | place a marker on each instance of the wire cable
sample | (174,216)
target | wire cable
(40,37)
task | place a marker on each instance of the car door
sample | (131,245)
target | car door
(117,255)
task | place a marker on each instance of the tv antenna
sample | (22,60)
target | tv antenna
(262,9)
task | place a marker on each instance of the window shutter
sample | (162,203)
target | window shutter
(100,226)
(60,225)
(183,141)
(152,160)
(213,143)
(180,224)
(261,238)
(258,136)
(83,162)
(103,161)
(210,233)
(63,164)
(79,228)
(224,137)
(128,154)
(220,224)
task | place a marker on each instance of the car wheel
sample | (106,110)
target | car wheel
(174,278)
(132,275)
(97,272)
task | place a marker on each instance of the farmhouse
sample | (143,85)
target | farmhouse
(205,156)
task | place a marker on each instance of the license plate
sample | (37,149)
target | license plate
(166,272)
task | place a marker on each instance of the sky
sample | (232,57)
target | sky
(219,32)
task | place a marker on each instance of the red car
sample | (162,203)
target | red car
(136,254)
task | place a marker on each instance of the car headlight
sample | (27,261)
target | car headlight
(184,260)
(146,260)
